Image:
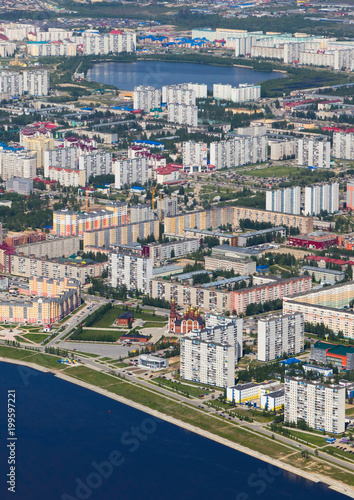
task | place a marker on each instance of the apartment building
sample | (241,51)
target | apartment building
(63,157)
(243,93)
(224,329)
(115,42)
(240,299)
(312,152)
(281,149)
(20,185)
(350,196)
(37,140)
(53,49)
(280,334)
(238,265)
(207,361)
(168,206)
(32,82)
(51,248)
(328,306)
(343,145)
(321,198)
(194,154)
(70,223)
(182,114)
(221,216)
(58,268)
(128,172)
(17,163)
(325,276)
(121,235)
(285,200)
(240,150)
(263,235)
(146,98)
(141,213)
(211,300)
(159,252)
(200,89)
(130,270)
(179,94)
(321,406)
(45,308)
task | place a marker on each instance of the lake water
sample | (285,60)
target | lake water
(68,438)
(156,74)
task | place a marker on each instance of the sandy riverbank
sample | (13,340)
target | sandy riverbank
(335,485)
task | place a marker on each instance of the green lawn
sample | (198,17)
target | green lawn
(339,453)
(309,438)
(108,319)
(181,388)
(13,353)
(101,335)
(276,171)
(36,337)
(150,324)
(350,411)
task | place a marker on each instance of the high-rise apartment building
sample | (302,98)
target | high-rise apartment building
(33,82)
(244,92)
(195,154)
(146,98)
(324,197)
(178,94)
(132,271)
(17,164)
(127,172)
(280,334)
(207,360)
(285,200)
(321,406)
(350,196)
(313,152)
(183,114)
(343,145)
(241,150)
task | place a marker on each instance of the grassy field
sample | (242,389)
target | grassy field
(276,171)
(101,335)
(331,450)
(309,438)
(13,353)
(188,390)
(36,337)
(108,319)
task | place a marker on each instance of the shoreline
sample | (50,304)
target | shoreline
(316,478)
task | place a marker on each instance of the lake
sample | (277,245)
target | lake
(126,76)
(68,438)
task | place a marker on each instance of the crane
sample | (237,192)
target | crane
(153,191)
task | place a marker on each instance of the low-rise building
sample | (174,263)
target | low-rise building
(318,240)
(160,252)
(262,236)
(238,265)
(273,401)
(328,276)
(19,185)
(51,248)
(152,362)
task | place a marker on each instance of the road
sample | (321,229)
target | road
(256,427)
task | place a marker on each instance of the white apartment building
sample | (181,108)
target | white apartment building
(280,334)
(281,149)
(133,271)
(141,213)
(17,164)
(54,49)
(60,157)
(324,197)
(159,252)
(330,58)
(127,172)
(224,329)
(343,145)
(194,154)
(178,94)
(207,361)
(115,42)
(285,200)
(182,114)
(98,162)
(7,49)
(168,206)
(240,266)
(313,152)
(200,89)
(241,150)
(146,98)
(33,82)
(244,92)
(67,176)
(321,406)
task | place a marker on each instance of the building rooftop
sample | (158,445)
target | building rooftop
(262,231)
(225,282)
(322,270)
